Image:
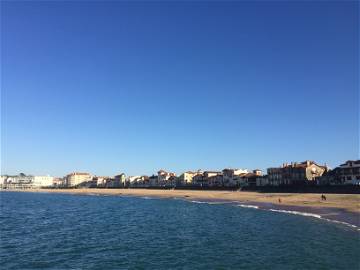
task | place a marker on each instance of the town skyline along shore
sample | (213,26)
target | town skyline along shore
(293,174)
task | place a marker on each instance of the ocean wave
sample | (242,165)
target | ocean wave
(306,214)
(296,213)
(202,202)
(248,206)
(342,223)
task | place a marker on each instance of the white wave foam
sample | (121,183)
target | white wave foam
(217,202)
(202,202)
(305,214)
(248,206)
(316,216)
(296,213)
(342,223)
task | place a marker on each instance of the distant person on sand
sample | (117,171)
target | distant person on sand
(323,197)
(279,200)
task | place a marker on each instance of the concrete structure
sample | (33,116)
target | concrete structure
(77,178)
(295,173)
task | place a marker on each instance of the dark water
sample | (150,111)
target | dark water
(55,231)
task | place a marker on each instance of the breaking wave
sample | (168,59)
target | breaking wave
(315,216)
(296,213)
(202,202)
(248,206)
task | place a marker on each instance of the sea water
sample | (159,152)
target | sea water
(62,231)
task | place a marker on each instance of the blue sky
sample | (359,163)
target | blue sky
(109,87)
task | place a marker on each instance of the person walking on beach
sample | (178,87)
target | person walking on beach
(323,197)
(279,200)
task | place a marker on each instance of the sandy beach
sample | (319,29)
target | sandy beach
(348,202)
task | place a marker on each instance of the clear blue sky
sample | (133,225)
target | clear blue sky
(109,87)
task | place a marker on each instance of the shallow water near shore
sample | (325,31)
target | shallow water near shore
(63,231)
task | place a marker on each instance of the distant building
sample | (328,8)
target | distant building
(100,181)
(215,180)
(43,181)
(3,181)
(345,174)
(145,181)
(163,177)
(77,178)
(231,176)
(199,180)
(119,180)
(349,172)
(20,181)
(295,173)
(153,181)
(207,178)
(249,179)
(187,177)
(59,182)
(23,181)
(262,181)
(138,181)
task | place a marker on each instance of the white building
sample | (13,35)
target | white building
(76,178)
(186,178)
(43,181)
(20,181)
(349,172)
(3,181)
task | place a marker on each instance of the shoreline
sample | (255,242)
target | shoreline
(343,208)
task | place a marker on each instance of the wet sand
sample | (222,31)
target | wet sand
(341,207)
